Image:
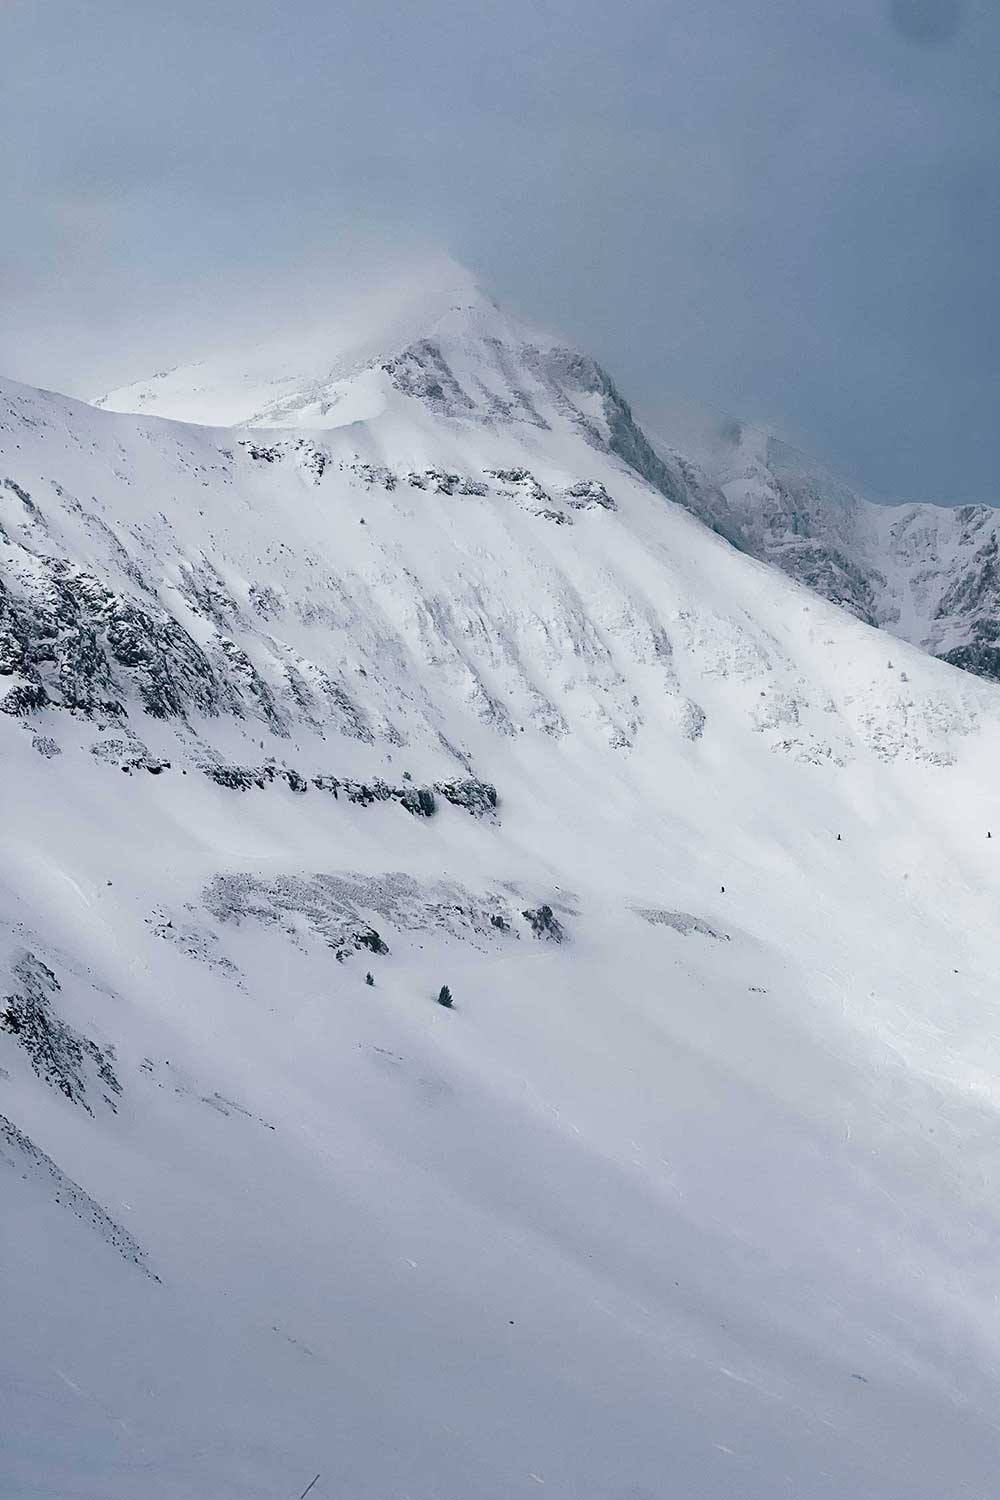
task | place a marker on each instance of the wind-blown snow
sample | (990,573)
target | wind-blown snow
(323,375)
(693,1191)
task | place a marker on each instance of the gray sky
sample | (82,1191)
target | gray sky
(786,208)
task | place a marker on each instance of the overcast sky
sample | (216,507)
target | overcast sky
(788,209)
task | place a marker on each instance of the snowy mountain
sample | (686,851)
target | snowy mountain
(430,675)
(926,573)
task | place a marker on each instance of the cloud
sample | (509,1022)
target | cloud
(771,205)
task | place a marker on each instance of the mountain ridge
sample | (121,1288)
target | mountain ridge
(925,573)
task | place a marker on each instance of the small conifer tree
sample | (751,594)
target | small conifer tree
(445,997)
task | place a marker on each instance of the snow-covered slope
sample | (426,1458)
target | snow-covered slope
(693,1190)
(926,573)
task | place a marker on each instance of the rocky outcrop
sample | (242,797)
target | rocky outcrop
(477,797)
(681,921)
(60,1056)
(78,644)
(418,800)
(544,923)
(336,909)
(33,1164)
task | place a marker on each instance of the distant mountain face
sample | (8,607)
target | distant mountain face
(926,573)
(429,678)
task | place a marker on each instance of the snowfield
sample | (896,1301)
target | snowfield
(431,675)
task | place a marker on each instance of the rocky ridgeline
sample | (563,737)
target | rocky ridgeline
(311,457)
(127,755)
(515,483)
(336,908)
(477,797)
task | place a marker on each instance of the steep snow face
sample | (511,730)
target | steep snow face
(926,573)
(693,1188)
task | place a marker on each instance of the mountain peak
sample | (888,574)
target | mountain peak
(297,374)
